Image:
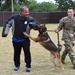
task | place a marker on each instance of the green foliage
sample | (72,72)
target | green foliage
(6,6)
(32,5)
(0,4)
(47,7)
(63,5)
(41,7)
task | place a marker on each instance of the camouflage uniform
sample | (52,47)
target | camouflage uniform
(68,26)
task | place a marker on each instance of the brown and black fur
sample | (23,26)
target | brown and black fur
(44,39)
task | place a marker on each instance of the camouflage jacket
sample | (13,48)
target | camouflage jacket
(68,26)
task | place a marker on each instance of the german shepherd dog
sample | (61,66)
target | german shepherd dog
(44,39)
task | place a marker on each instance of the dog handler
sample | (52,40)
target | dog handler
(68,25)
(20,23)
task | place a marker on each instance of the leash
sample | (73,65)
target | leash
(59,45)
(51,30)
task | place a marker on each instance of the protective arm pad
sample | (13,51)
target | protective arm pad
(4,35)
(33,25)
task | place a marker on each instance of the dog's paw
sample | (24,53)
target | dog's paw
(63,69)
(52,69)
(25,34)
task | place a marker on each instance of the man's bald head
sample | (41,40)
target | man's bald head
(24,11)
(24,8)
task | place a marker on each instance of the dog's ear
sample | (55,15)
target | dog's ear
(44,25)
(38,26)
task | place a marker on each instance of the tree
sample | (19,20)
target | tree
(47,7)
(63,5)
(6,6)
(0,4)
(41,7)
(31,4)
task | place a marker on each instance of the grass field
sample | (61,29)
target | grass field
(41,64)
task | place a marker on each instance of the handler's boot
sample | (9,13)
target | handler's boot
(63,59)
(64,54)
(72,57)
(73,62)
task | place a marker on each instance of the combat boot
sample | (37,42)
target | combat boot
(64,54)
(73,62)
(63,62)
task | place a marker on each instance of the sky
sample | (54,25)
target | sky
(45,1)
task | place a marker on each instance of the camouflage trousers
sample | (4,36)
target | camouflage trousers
(68,50)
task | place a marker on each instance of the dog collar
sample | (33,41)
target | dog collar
(47,40)
(45,32)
